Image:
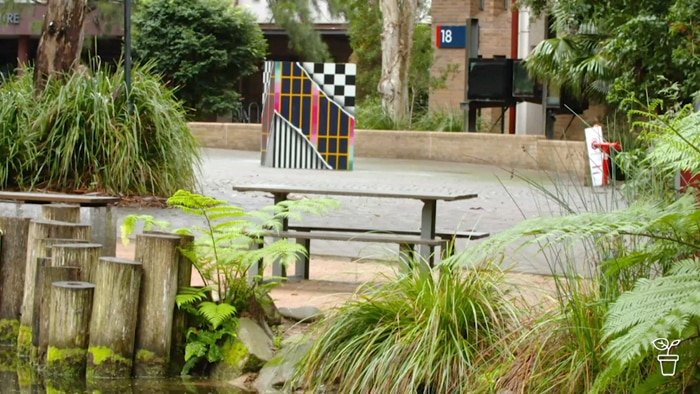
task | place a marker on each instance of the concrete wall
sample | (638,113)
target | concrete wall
(510,151)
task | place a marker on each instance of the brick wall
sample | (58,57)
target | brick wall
(494,37)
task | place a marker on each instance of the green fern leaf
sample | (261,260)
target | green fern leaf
(656,308)
(215,313)
(191,295)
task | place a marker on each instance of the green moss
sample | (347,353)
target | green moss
(148,364)
(9,329)
(65,362)
(104,363)
(237,355)
(24,341)
(8,359)
(26,374)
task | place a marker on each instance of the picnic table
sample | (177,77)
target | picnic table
(429,198)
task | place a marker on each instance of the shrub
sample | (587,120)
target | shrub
(421,332)
(204,47)
(78,135)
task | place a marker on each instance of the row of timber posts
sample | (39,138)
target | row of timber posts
(72,313)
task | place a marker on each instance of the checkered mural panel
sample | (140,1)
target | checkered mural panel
(317,102)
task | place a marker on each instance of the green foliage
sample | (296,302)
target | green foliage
(225,249)
(204,47)
(371,115)
(642,284)
(423,331)
(606,49)
(297,18)
(78,135)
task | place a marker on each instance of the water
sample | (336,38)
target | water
(17,378)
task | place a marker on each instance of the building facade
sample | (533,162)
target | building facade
(504,31)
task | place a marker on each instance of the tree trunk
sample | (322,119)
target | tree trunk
(13,260)
(397,42)
(114,317)
(61,212)
(61,40)
(160,258)
(69,327)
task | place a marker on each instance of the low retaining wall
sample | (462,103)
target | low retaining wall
(503,150)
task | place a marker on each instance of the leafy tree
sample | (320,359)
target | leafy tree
(204,47)
(399,18)
(607,49)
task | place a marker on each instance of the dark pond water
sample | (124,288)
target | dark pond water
(18,378)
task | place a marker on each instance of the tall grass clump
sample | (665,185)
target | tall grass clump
(17,143)
(421,332)
(82,137)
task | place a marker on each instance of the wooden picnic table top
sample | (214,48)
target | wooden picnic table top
(413,192)
(83,200)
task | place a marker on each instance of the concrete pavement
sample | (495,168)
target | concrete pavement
(503,200)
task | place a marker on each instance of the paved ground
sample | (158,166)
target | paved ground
(503,200)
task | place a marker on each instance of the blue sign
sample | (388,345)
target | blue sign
(451,36)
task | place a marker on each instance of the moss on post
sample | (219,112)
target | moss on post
(71,307)
(47,276)
(13,261)
(39,231)
(9,330)
(160,258)
(114,318)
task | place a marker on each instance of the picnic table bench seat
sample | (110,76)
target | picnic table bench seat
(407,240)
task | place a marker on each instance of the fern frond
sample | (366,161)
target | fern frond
(215,313)
(655,308)
(131,221)
(193,202)
(190,295)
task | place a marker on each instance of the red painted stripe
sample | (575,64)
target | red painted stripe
(438,30)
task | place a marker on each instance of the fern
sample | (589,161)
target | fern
(656,308)
(131,221)
(215,313)
(191,295)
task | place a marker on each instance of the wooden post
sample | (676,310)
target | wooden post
(114,317)
(39,230)
(61,212)
(47,276)
(50,242)
(180,323)
(83,256)
(13,260)
(69,327)
(159,255)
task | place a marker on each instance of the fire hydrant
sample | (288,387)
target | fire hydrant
(606,147)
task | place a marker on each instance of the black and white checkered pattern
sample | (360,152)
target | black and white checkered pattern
(267,80)
(336,80)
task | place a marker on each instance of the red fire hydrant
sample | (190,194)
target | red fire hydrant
(606,147)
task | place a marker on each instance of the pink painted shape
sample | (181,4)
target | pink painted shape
(314,115)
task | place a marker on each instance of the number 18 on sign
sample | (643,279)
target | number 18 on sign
(451,36)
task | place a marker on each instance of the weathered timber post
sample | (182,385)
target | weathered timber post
(61,212)
(180,323)
(83,256)
(13,260)
(159,255)
(39,231)
(50,242)
(114,317)
(69,327)
(47,276)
